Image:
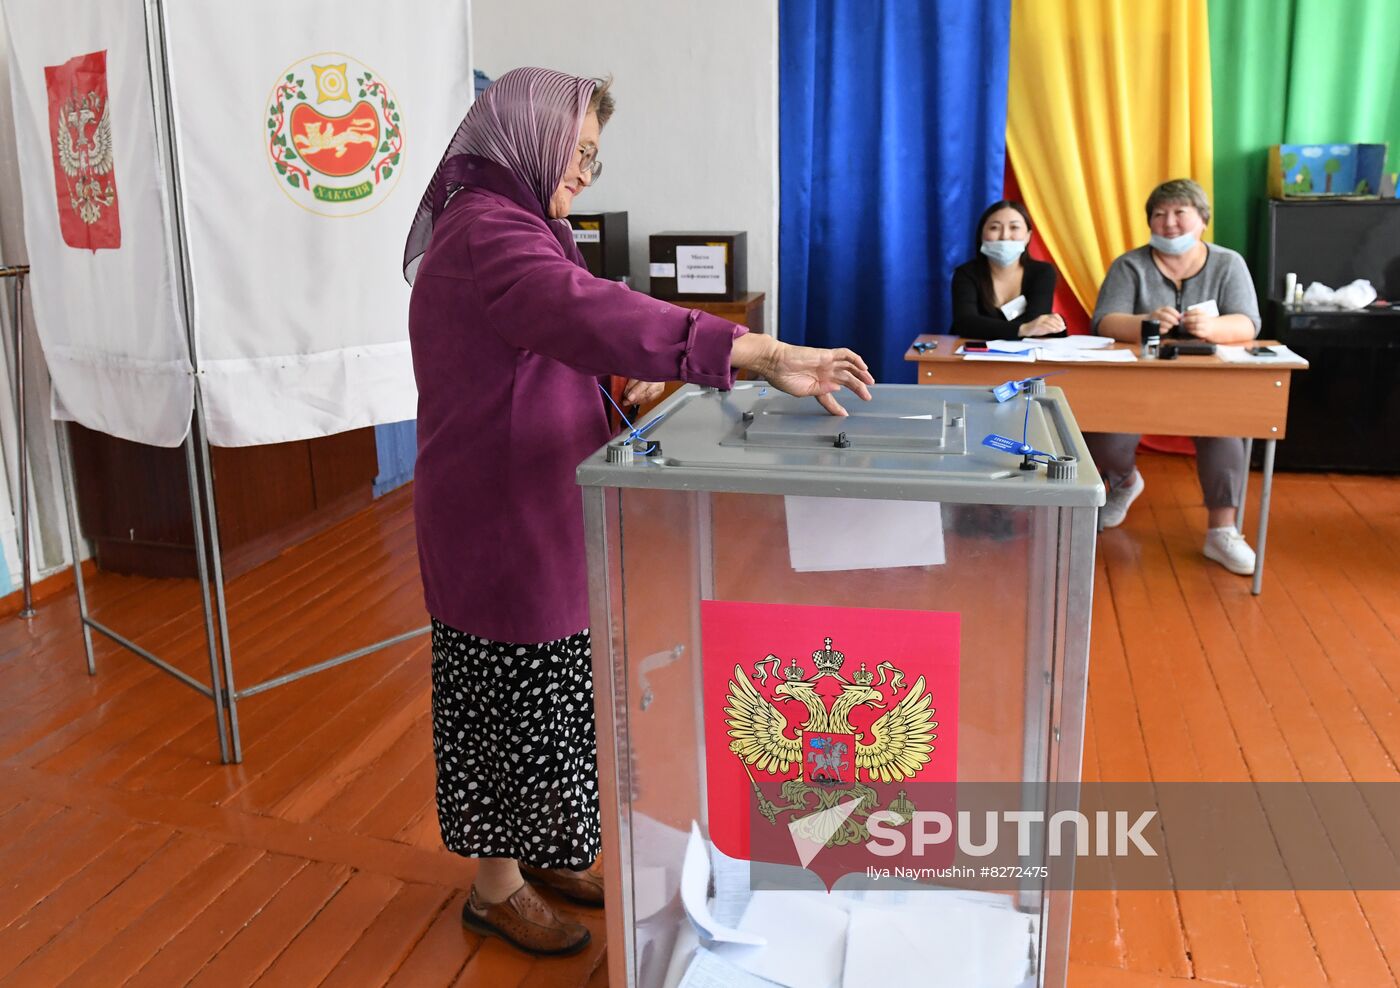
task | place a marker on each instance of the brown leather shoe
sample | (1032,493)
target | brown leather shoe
(585,889)
(526,921)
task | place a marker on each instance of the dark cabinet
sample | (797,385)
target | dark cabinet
(1344,411)
(134,504)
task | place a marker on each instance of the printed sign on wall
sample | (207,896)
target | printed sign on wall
(700,269)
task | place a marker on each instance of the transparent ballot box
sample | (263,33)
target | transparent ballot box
(822,648)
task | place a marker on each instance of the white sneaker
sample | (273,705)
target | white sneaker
(1227,547)
(1120,499)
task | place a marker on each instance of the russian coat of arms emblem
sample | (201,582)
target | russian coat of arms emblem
(334,135)
(80,129)
(799,738)
(837,760)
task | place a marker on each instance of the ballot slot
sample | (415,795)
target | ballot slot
(788,422)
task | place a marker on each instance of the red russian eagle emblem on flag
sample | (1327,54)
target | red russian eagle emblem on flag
(80,128)
(849,726)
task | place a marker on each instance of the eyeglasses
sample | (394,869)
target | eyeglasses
(588,161)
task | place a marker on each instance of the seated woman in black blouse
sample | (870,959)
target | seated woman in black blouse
(1001,294)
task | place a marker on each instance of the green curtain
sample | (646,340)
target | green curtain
(1296,71)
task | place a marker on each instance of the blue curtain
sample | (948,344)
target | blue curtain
(397,446)
(892,142)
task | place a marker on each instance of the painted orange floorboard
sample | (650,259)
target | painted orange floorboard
(130,853)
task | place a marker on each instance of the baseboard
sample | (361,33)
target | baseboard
(50,586)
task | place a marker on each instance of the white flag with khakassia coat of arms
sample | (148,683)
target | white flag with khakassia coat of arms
(307,134)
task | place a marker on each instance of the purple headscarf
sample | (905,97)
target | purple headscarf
(528,120)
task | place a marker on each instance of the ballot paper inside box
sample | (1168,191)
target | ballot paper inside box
(802,621)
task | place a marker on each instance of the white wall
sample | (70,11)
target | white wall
(694,142)
(47,526)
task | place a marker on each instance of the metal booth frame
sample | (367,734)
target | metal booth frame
(222,688)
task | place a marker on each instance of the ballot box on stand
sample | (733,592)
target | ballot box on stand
(818,643)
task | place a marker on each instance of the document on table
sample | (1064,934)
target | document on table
(1011,346)
(1088,356)
(1081,342)
(830,534)
(1023,357)
(1241,355)
(1037,344)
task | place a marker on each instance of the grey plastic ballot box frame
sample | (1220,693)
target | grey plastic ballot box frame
(910,442)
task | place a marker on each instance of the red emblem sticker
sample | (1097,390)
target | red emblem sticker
(80,128)
(817,709)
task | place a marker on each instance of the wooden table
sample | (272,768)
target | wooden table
(1188,396)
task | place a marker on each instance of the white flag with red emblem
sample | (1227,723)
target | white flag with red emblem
(96,217)
(306,134)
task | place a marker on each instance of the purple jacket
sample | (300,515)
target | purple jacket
(509,335)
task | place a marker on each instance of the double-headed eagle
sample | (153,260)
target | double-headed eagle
(898,744)
(84,156)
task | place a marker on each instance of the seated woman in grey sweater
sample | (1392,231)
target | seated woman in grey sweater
(1196,289)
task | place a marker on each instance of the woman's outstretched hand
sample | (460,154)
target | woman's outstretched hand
(641,392)
(804,371)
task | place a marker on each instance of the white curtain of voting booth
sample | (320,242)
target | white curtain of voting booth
(305,135)
(96,218)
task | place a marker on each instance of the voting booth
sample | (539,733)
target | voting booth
(811,636)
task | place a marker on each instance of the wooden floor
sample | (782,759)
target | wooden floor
(129,856)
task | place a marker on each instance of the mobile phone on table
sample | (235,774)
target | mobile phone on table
(1260,351)
(975,346)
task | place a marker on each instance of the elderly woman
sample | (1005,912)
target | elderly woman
(1200,290)
(1001,294)
(510,333)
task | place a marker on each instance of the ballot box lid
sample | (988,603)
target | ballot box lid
(909,442)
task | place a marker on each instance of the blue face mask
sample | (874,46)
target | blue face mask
(1174,245)
(1003,252)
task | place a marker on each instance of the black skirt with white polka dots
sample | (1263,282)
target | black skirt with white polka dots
(513,735)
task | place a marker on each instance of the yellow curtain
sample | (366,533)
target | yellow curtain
(1107,99)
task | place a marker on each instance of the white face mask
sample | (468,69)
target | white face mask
(1173,245)
(1003,252)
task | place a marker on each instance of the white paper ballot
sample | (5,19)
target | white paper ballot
(695,886)
(828,534)
(806,937)
(733,887)
(1025,357)
(952,944)
(709,970)
(687,943)
(700,270)
(1206,308)
(1241,355)
(1011,346)
(1088,356)
(1014,308)
(1082,341)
